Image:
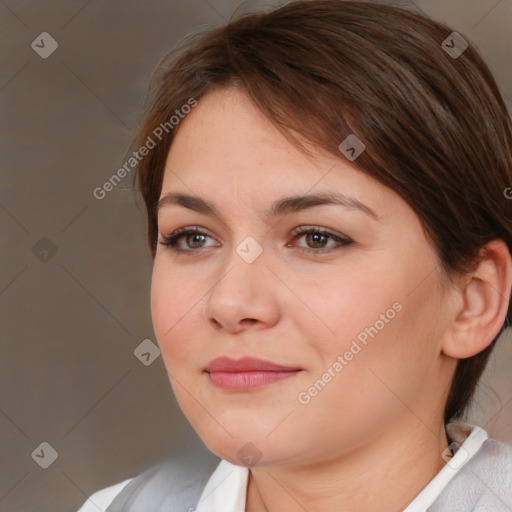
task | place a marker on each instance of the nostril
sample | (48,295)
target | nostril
(216,323)
(248,321)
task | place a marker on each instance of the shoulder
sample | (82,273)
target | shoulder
(484,483)
(167,485)
(494,458)
(100,500)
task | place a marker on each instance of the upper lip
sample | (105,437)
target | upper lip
(246,364)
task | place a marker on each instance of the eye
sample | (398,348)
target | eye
(317,238)
(194,238)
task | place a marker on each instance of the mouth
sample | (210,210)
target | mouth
(247,373)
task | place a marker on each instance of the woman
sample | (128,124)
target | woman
(331,233)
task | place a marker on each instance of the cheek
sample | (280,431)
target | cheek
(340,306)
(375,318)
(382,366)
(173,306)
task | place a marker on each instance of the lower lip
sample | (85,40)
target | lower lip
(245,381)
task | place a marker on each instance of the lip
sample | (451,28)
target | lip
(247,373)
(246,364)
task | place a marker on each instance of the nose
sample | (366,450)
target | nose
(246,296)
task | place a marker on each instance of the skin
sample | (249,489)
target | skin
(379,420)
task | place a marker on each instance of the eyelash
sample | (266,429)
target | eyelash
(171,240)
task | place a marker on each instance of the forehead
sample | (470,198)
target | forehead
(227,150)
(227,137)
(225,129)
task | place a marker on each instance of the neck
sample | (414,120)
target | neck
(385,475)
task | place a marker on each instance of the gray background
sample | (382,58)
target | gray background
(71,320)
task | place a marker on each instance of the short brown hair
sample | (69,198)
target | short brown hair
(435,126)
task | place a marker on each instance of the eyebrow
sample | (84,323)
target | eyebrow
(283,206)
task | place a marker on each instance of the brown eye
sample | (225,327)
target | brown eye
(194,239)
(317,239)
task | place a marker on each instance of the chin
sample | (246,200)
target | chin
(248,444)
(244,453)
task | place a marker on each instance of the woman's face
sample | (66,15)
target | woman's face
(361,322)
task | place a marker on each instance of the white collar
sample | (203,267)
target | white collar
(466,441)
(226,489)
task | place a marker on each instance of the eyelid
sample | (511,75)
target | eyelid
(311,228)
(341,240)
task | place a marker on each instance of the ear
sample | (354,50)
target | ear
(485,298)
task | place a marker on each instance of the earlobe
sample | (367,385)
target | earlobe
(485,300)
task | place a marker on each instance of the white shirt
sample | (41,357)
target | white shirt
(227,486)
